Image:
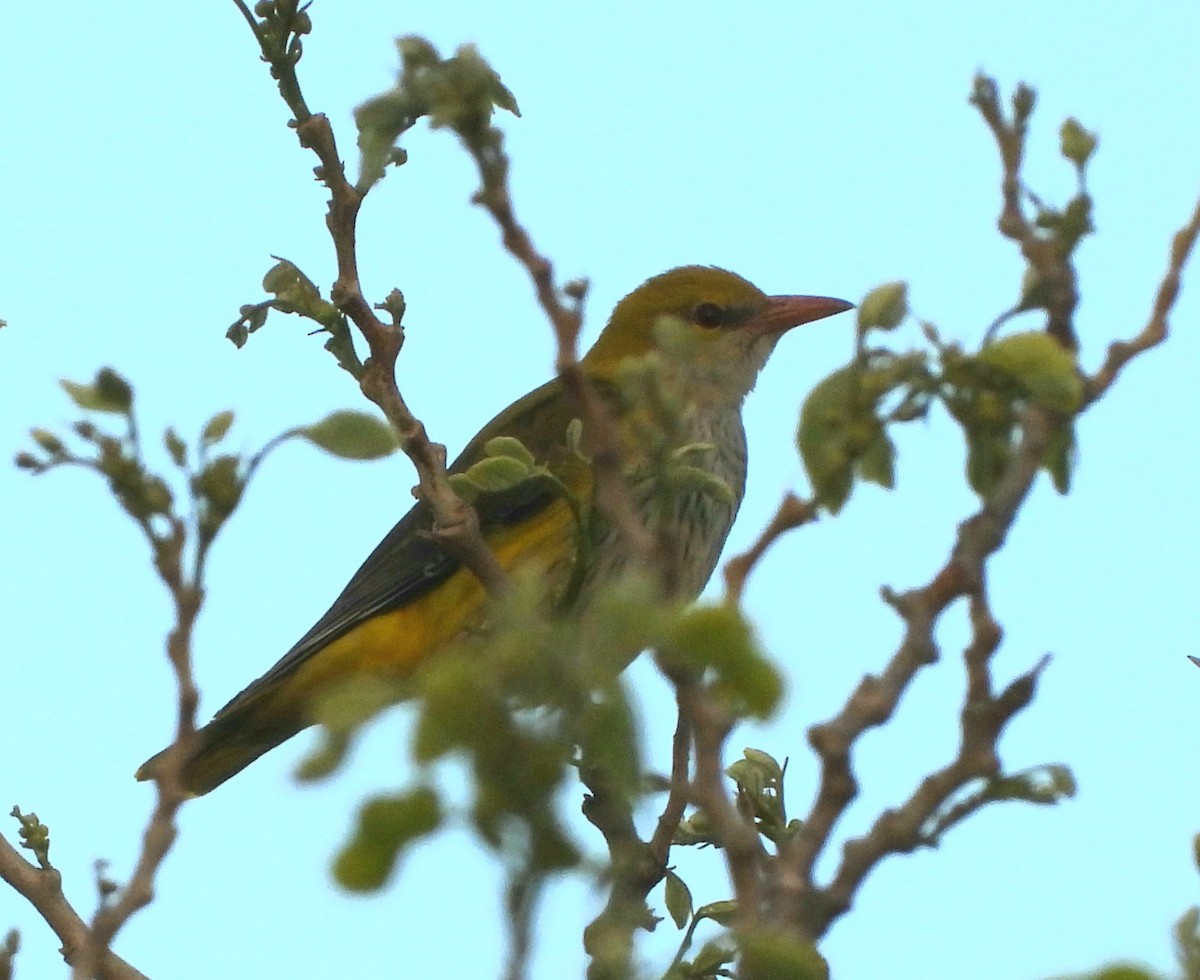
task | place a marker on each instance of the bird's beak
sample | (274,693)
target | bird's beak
(784,312)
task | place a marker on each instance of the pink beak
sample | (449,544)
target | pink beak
(784,312)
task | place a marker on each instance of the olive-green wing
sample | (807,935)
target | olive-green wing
(407,564)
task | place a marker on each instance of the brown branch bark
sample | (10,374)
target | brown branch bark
(804,905)
(745,855)
(792,513)
(456,525)
(42,888)
(1044,253)
(1156,328)
(566,318)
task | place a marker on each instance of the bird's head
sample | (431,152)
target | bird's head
(717,328)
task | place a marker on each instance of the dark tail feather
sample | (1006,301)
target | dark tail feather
(223,748)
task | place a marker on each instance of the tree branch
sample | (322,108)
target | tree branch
(792,513)
(42,888)
(456,525)
(1154,332)
(803,904)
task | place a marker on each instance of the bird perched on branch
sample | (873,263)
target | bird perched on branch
(673,366)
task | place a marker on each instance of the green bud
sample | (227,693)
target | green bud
(216,428)
(416,52)
(27,461)
(114,389)
(884,307)
(109,392)
(1076,143)
(1024,99)
(176,447)
(393,304)
(48,441)
(157,496)
(220,484)
(576,289)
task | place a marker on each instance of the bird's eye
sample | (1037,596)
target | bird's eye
(708,315)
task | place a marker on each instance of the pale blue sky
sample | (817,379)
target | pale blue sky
(813,148)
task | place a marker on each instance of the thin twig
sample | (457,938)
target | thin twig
(42,888)
(677,795)
(982,721)
(803,904)
(1043,252)
(1156,328)
(612,494)
(792,513)
(456,525)
(737,835)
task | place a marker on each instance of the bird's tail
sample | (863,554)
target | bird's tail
(223,748)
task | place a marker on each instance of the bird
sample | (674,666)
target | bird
(707,333)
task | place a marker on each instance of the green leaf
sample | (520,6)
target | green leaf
(109,392)
(722,913)
(678,898)
(352,435)
(712,957)
(884,307)
(381,121)
(821,438)
(1059,458)
(498,473)
(1040,366)
(507,446)
(877,464)
(386,825)
(608,737)
(764,761)
(296,293)
(770,954)
(719,638)
(988,455)
(216,428)
(341,711)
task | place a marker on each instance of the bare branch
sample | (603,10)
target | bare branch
(1155,330)
(803,904)
(42,888)
(677,795)
(792,513)
(982,720)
